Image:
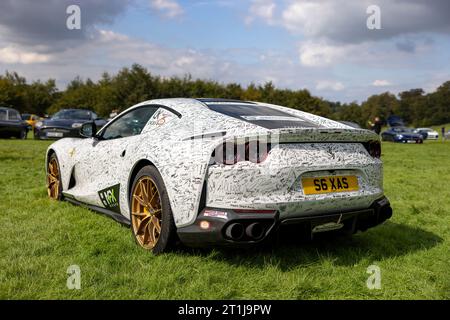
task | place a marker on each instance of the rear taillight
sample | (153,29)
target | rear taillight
(227,153)
(230,153)
(374,148)
(256,151)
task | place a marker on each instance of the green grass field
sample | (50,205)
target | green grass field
(40,239)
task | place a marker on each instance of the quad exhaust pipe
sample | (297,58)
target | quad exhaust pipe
(255,231)
(236,231)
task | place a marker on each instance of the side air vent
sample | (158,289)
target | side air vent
(72,181)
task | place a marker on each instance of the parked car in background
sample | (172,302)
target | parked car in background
(11,124)
(31,119)
(427,133)
(401,134)
(351,124)
(66,123)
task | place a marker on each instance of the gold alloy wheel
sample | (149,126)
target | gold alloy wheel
(53,179)
(146,212)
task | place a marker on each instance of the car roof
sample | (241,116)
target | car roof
(184,105)
(71,109)
(217,100)
(8,108)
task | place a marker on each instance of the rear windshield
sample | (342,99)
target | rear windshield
(260,115)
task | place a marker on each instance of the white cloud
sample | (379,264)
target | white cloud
(170,8)
(335,31)
(329,85)
(261,9)
(381,83)
(345,21)
(308,18)
(110,51)
(14,55)
(108,36)
(316,54)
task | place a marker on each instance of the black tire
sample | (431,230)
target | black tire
(168,236)
(23,134)
(53,157)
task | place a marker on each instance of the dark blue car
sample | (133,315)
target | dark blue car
(401,134)
(66,123)
(11,124)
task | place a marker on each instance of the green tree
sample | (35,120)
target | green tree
(40,96)
(381,105)
(12,91)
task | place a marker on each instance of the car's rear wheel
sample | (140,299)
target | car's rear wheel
(54,186)
(151,215)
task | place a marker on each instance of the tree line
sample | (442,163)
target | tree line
(136,84)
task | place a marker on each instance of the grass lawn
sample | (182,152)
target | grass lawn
(40,239)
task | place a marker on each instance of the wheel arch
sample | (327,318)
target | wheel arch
(137,166)
(49,153)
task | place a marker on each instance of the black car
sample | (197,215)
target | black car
(401,134)
(66,123)
(11,124)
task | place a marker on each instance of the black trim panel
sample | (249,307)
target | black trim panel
(116,216)
(212,100)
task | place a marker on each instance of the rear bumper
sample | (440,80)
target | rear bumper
(229,228)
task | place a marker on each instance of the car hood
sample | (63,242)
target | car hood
(61,122)
(409,135)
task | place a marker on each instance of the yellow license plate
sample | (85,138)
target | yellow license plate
(317,185)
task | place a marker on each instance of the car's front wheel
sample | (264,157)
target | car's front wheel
(152,221)
(54,185)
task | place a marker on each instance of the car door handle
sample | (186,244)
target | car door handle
(123,153)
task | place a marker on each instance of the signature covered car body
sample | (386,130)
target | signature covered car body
(222,172)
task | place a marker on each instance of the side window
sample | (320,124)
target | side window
(3,115)
(130,124)
(160,118)
(14,115)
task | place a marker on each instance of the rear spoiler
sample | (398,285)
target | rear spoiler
(296,135)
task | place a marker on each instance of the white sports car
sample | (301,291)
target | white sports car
(428,133)
(221,172)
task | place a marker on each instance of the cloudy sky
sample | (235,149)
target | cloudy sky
(323,45)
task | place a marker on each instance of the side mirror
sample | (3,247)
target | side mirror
(88,130)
